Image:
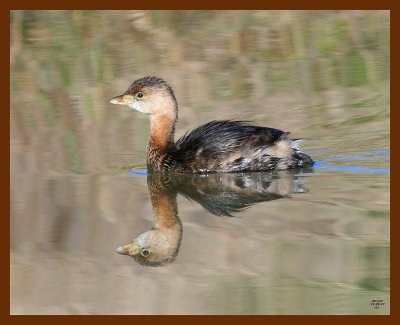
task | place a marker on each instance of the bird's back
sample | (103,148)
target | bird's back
(230,146)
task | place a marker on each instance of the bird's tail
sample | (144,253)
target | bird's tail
(302,160)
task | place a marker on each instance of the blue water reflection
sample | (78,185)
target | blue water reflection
(330,163)
(138,172)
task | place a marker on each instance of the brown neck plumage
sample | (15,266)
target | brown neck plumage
(162,131)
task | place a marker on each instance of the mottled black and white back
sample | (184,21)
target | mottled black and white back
(234,146)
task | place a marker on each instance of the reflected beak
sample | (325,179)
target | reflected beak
(121,100)
(130,249)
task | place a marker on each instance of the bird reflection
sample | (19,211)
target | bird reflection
(220,194)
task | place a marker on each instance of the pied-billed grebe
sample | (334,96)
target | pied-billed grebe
(217,146)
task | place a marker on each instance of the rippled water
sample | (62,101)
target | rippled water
(313,241)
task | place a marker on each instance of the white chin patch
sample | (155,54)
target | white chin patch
(135,105)
(142,237)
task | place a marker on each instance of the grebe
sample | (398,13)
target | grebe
(217,146)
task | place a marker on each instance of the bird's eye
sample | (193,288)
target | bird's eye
(145,252)
(139,95)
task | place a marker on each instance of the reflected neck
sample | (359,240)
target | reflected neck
(165,209)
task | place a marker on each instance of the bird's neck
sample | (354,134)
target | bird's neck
(162,131)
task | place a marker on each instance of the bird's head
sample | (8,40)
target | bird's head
(150,95)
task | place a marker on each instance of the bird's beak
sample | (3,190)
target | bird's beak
(130,249)
(121,100)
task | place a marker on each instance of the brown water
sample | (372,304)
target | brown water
(309,242)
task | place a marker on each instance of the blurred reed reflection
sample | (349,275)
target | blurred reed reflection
(220,194)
